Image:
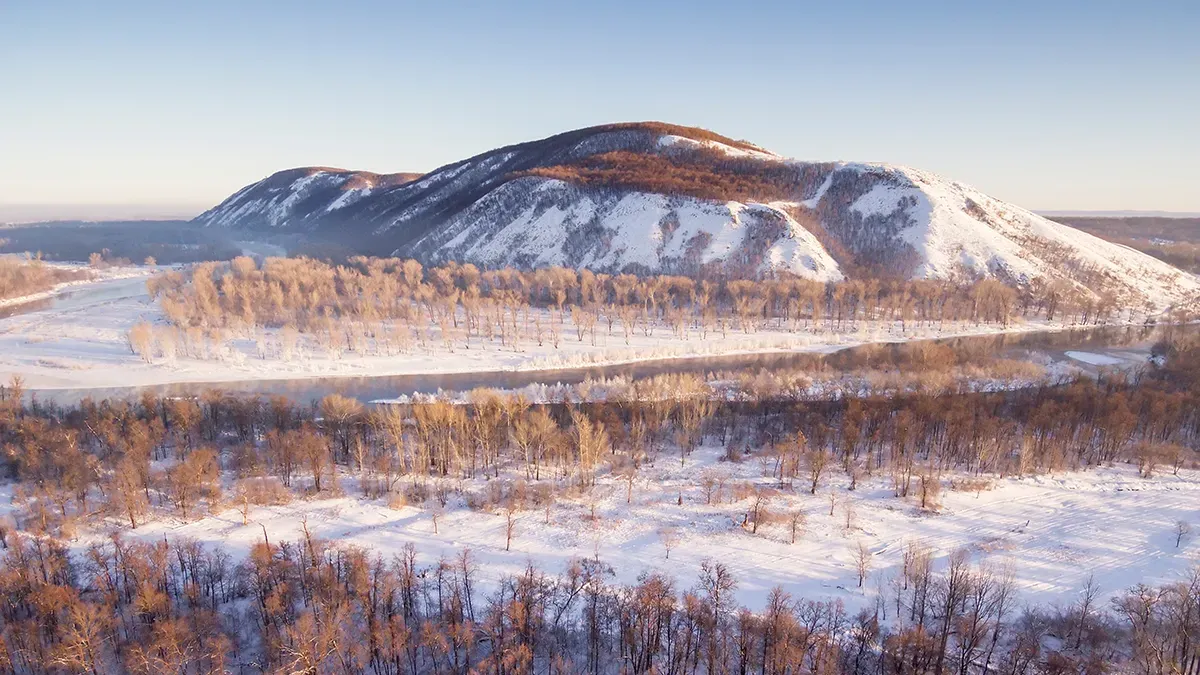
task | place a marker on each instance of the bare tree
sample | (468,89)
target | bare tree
(192,479)
(950,593)
(796,522)
(510,524)
(1086,605)
(243,508)
(760,508)
(817,462)
(127,494)
(931,490)
(435,512)
(669,537)
(711,483)
(141,340)
(1182,529)
(862,560)
(591,442)
(628,472)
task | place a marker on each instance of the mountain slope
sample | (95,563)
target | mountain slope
(652,197)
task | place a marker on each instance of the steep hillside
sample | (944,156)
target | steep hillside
(296,197)
(652,197)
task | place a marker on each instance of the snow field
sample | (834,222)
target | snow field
(1093,359)
(955,227)
(1051,531)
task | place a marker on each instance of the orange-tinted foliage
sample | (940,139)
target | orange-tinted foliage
(705,174)
(695,133)
(25,277)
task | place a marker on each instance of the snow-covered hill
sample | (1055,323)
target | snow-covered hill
(651,197)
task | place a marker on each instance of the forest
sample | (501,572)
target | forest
(373,306)
(700,173)
(1170,239)
(313,606)
(167,242)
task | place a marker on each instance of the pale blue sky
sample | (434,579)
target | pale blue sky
(1053,105)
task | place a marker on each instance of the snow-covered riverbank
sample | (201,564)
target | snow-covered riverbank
(81,341)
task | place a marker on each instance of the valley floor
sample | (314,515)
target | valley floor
(78,339)
(1051,531)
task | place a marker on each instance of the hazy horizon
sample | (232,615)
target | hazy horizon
(38,213)
(18,214)
(1079,106)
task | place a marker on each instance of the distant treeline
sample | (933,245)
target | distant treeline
(21,277)
(1172,240)
(166,242)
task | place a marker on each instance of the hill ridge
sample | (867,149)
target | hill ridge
(652,197)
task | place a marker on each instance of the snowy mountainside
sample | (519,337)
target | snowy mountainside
(284,199)
(653,197)
(957,231)
(551,222)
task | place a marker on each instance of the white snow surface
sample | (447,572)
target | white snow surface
(349,197)
(961,232)
(1094,359)
(671,140)
(1051,531)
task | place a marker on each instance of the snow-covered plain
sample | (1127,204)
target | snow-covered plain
(1051,531)
(80,342)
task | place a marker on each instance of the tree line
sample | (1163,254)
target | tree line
(313,606)
(26,276)
(129,459)
(390,306)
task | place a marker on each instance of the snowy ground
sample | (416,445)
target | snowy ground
(1094,359)
(1052,531)
(80,341)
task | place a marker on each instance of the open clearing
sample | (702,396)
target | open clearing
(1052,531)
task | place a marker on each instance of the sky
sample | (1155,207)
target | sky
(171,107)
